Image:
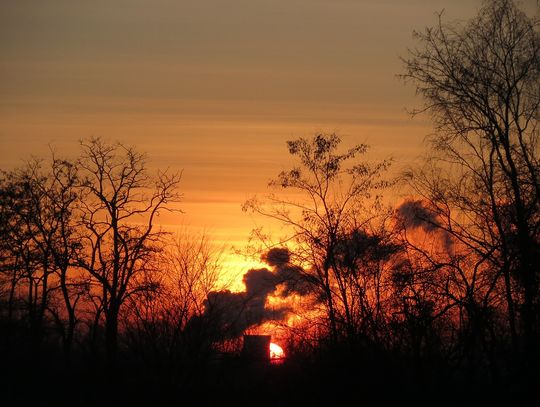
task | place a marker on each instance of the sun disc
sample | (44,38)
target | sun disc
(276,352)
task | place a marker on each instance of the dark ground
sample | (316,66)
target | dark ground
(329,379)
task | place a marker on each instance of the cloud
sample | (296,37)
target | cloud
(232,313)
(416,214)
(277,256)
(259,283)
(290,276)
(235,312)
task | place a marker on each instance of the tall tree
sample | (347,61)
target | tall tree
(481,86)
(330,191)
(119,205)
(158,319)
(62,198)
(37,224)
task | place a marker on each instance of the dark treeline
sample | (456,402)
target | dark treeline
(436,296)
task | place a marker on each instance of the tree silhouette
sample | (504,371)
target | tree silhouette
(158,320)
(480,86)
(39,244)
(119,205)
(332,193)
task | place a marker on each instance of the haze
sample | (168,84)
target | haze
(211,87)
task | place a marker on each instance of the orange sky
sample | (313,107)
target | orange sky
(211,87)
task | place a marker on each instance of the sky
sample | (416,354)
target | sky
(212,87)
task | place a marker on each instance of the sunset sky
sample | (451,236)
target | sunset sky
(212,87)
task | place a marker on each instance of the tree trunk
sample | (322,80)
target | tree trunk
(68,337)
(111,334)
(511,309)
(331,310)
(11,299)
(68,340)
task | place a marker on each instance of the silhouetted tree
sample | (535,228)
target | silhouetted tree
(332,191)
(17,255)
(480,83)
(119,205)
(367,260)
(156,320)
(39,243)
(63,198)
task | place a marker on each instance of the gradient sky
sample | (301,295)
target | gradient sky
(212,87)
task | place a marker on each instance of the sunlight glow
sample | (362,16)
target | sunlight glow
(276,352)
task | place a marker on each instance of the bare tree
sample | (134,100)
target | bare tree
(480,83)
(38,238)
(119,205)
(62,198)
(331,196)
(17,255)
(367,259)
(445,294)
(157,320)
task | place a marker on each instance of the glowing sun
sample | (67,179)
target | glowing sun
(276,352)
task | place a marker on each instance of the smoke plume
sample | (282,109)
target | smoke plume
(234,312)
(290,276)
(416,214)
